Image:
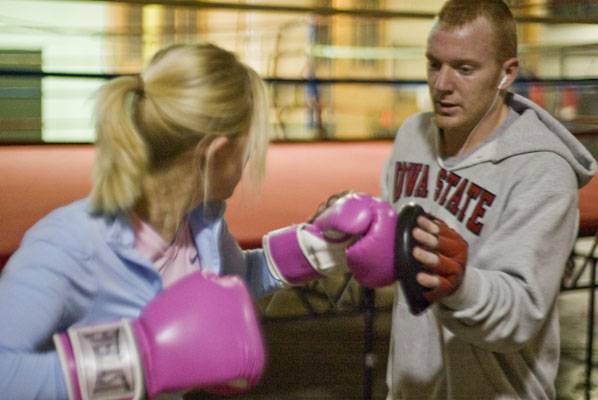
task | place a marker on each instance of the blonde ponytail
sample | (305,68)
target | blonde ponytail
(259,131)
(121,153)
(189,94)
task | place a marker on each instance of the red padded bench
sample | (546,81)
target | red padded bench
(588,208)
(38,178)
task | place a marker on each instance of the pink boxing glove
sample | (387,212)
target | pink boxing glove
(370,225)
(300,253)
(200,333)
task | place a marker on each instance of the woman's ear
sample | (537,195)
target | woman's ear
(217,146)
(208,148)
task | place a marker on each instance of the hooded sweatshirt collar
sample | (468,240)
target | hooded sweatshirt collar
(534,131)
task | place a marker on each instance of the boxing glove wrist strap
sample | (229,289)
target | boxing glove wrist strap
(285,257)
(325,255)
(299,253)
(100,362)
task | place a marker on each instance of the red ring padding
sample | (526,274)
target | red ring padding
(588,208)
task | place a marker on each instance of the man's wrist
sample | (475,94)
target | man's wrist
(467,293)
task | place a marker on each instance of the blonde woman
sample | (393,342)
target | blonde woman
(140,289)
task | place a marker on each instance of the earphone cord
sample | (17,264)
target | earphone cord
(470,135)
(435,205)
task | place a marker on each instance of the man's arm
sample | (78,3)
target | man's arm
(511,284)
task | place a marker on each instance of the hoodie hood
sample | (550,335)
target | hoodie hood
(523,136)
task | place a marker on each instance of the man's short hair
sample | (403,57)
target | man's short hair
(456,13)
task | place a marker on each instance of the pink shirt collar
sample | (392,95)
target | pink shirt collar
(172,260)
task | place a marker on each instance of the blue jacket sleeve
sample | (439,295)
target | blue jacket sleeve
(38,297)
(249,264)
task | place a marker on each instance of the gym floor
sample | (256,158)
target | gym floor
(322,358)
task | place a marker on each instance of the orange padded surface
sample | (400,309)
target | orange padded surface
(588,208)
(37,179)
(299,177)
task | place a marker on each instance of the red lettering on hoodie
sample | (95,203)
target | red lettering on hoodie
(455,200)
(452,180)
(411,179)
(398,181)
(473,192)
(473,224)
(452,191)
(440,178)
(422,186)
(456,193)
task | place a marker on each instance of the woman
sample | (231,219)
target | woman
(172,144)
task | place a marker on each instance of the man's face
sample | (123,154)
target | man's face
(463,74)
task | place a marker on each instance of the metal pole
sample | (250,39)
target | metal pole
(356,12)
(369,358)
(590,330)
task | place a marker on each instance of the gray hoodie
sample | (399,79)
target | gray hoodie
(514,199)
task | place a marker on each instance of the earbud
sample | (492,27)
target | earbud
(502,82)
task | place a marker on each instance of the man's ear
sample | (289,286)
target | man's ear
(510,70)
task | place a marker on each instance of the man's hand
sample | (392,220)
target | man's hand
(443,253)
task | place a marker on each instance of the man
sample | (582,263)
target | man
(504,175)
(498,178)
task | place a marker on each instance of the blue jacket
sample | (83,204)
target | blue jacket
(74,268)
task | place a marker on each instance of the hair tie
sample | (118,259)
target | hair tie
(140,87)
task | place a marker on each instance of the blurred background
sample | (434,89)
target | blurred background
(321,58)
(336,70)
